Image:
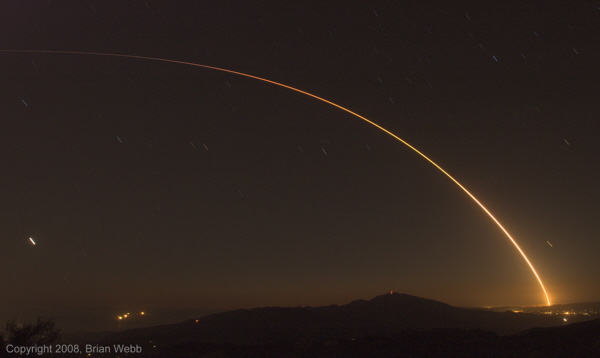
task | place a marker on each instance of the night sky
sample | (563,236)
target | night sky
(149,185)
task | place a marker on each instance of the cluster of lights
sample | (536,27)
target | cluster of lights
(127,315)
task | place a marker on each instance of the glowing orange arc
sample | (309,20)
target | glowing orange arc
(335,105)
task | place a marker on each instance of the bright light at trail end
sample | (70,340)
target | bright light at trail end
(326,101)
(31,239)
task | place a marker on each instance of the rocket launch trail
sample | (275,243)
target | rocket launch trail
(491,216)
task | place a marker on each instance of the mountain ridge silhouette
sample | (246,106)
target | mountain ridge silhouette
(383,315)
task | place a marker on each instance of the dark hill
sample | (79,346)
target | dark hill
(581,339)
(384,315)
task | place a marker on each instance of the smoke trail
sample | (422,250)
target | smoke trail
(335,105)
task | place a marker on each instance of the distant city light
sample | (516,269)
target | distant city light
(128,315)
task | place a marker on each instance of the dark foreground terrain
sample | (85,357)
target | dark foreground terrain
(576,340)
(391,325)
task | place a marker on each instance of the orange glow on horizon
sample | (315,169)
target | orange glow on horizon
(333,104)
